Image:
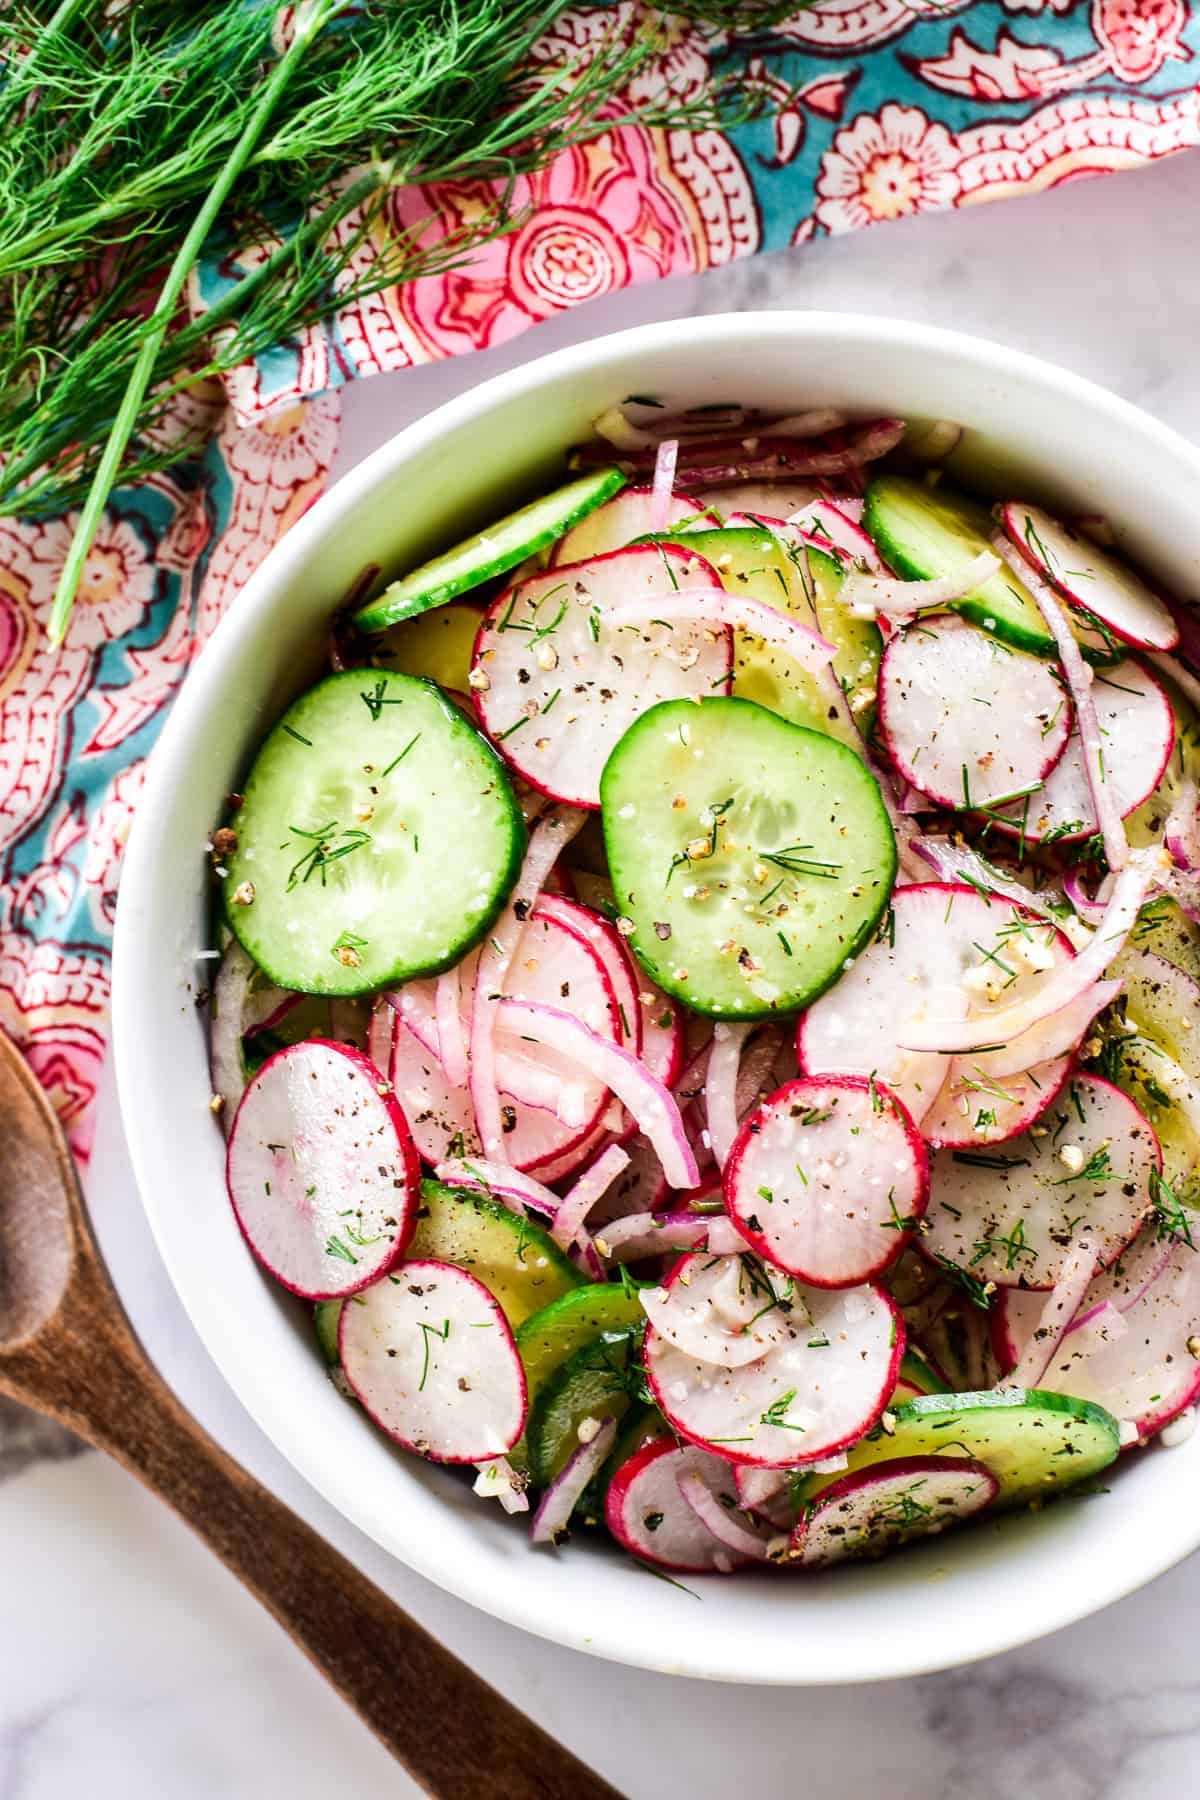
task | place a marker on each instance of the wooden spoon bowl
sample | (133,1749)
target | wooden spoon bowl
(68,1350)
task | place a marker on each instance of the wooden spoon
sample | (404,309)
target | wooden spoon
(67,1349)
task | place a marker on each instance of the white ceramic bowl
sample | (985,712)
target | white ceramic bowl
(967,1596)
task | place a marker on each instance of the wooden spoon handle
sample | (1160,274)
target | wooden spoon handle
(456,1736)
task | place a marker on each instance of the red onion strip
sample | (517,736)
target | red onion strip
(720,1088)
(563,1495)
(380,1032)
(510,1186)
(640,1092)
(230,991)
(1181,834)
(1065,983)
(718,1522)
(664,483)
(713,606)
(547,841)
(452,1039)
(498,1480)
(573,1209)
(1176,671)
(1079,681)
(868,595)
(1054,1321)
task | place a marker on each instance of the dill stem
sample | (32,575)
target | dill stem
(164,310)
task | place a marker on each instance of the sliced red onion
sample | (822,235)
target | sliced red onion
(1065,983)
(756,1076)
(379,1036)
(266,1007)
(646,1234)
(498,1480)
(510,1186)
(958,862)
(547,841)
(664,483)
(227,1071)
(616,429)
(1058,1035)
(868,595)
(452,1039)
(1187,618)
(1090,911)
(716,607)
(1062,1303)
(565,1491)
(817,421)
(1181,834)
(640,1092)
(934,442)
(720,1088)
(718,1520)
(579,1200)
(762,454)
(1079,681)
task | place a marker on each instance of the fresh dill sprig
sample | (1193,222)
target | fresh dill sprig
(138,138)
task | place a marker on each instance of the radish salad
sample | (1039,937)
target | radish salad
(709,1013)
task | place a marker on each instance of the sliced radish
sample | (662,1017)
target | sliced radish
(619,521)
(832,529)
(322,1170)
(651,1104)
(1137,734)
(605,944)
(719,1520)
(563,1495)
(1149,1373)
(878,1508)
(1010,1215)
(944,951)
(1091,578)
(650,1518)
(828,1179)
(1024,1006)
(557,684)
(824,1378)
(978,1107)
(640,1188)
(712,1310)
(430,1355)
(439,1114)
(967,720)
(452,1036)
(663,486)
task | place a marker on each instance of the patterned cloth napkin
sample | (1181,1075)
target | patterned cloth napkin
(879,109)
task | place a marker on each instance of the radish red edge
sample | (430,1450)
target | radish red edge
(368,1251)
(647,1483)
(423,1415)
(748,1180)
(880,1508)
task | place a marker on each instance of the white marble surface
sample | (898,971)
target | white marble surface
(132,1665)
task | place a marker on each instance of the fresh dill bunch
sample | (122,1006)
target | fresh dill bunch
(137,136)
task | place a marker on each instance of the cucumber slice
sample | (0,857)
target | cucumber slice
(377,839)
(437,645)
(327,1315)
(925,532)
(578,1355)
(1035,1444)
(518,1263)
(759,565)
(596,1383)
(489,553)
(753,857)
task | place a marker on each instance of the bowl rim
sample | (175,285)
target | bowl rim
(531,1604)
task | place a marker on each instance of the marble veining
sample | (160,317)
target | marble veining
(131,1664)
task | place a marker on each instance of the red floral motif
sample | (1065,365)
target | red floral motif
(1139,36)
(885,166)
(1012,71)
(631,205)
(841,25)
